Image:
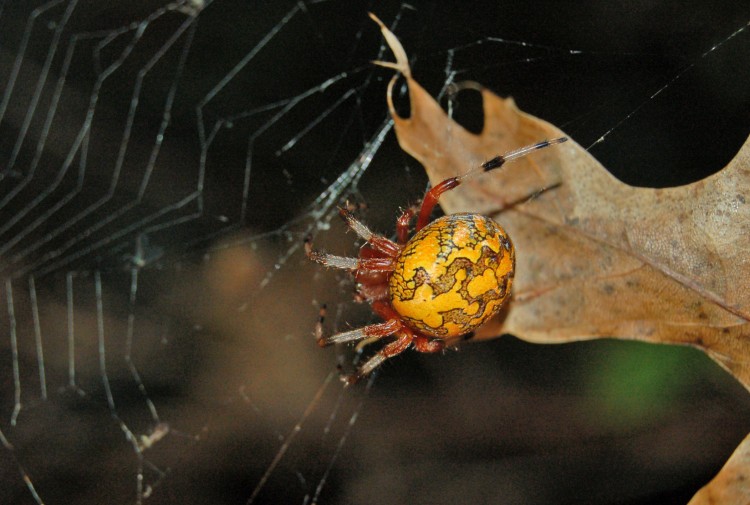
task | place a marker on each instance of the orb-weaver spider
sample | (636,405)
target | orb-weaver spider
(447,280)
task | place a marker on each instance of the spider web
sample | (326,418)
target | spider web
(160,166)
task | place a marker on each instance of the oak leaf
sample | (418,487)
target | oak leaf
(595,256)
(732,484)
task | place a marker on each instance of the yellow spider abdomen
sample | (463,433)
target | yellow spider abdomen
(453,275)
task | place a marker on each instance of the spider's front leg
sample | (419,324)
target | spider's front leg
(382,261)
(402,224)
(379,243)
(433,195)
(346,263)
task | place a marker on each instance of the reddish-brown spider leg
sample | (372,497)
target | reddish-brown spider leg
(371,331)
(402,225)
(346,263)
(371,292)
(369,334)
(377,242)
(395,348)
(318,333)
(433,195)
(431,199)
(427,344)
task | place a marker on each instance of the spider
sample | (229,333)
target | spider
(447,280)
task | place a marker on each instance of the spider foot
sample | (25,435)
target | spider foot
(364,370)
(350,380)
(318,332)
(347,379)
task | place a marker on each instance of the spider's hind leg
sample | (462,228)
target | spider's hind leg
(428,345)
(405,337)
(370,332)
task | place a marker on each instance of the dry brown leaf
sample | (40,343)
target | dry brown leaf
(596,257)
(732,484)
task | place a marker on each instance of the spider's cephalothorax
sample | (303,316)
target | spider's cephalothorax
(451,277)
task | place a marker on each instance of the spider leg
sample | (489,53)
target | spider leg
(377,242)
(433,195)
(346,263)
(371,293)
(431,199)
(394,348)
(373,331)
(318,332)
(428,345)
(402,225)
(499,161)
